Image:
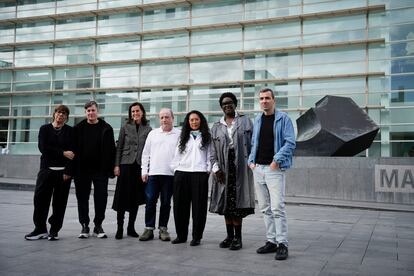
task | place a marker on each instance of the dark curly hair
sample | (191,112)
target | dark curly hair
(144,120)
(186,129)
(228,95)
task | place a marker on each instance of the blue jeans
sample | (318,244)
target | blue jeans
(158,185)
(270,188)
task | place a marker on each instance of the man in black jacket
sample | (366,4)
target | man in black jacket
(53,180)
(94,163)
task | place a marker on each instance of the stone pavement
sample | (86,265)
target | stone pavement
(324,240)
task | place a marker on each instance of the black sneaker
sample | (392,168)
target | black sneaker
(269,247)
(36,235)
(225,243)
(99,232)
(84,234)
(53,236)
(282,252)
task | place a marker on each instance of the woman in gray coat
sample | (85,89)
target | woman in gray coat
(232,192)
(130,190)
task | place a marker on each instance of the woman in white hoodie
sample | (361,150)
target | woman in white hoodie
(192,167)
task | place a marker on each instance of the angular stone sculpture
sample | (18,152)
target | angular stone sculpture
(336,126)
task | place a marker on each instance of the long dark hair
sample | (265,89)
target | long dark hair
(144,120)
(186,129)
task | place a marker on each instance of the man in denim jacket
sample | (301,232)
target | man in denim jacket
(273,143)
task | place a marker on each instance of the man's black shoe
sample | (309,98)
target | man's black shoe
(195,242)
(269,247)
(178,240)
(282,252)
(236,244)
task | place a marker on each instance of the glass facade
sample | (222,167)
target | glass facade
(184,54)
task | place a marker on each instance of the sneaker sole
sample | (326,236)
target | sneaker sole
(53,239)
(144,239)
(100,236)
(165,239)
(83,236)
(38,237)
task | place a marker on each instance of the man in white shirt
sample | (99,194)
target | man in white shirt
(156,171)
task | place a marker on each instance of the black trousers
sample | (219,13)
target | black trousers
(83,185)
(50,184)
(190,190)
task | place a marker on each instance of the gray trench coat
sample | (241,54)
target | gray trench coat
(219,154)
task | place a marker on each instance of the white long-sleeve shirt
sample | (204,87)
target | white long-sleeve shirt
(193,159)
(159,151)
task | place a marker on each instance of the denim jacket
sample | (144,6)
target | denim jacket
(284,139)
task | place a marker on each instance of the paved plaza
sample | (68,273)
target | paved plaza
(324,240)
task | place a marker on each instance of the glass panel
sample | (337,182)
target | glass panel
(272,36)
(27,8)
(117,76)
(32,56)
(217,12)
(402,82)
(334,86)
(75,27)
(207,98)
(116,102)
(71,78)
(41,30)
(6,57)
(6,33)
(103,4)
(216,41)
(260,9)
(310,7)
(155,99)
(272,66)
(345,60)
(405,65)
(174,17)
(74,53)
(402,48)
(119,23)
(28,80)
(162,46)
(118,49)
(212,70)
(402,115)
(5,81)
(64,6)
(401,97)
(164,73)
(402,32)
(4,107)
(7,9)
(35,105)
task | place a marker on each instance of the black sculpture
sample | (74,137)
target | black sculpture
(336,126)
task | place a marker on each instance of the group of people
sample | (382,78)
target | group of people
(169,163)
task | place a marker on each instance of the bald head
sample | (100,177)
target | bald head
(166,119)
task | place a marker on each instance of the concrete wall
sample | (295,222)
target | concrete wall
(19,166)
(341,178)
